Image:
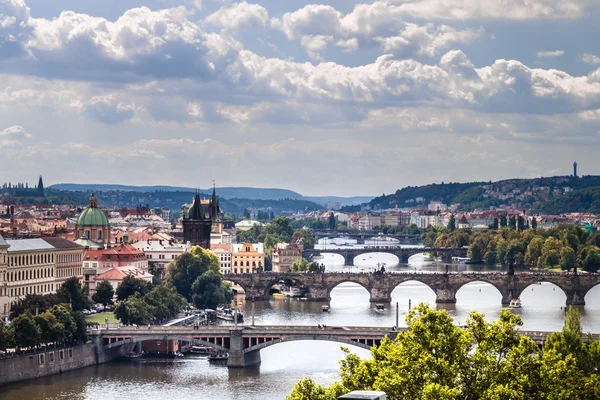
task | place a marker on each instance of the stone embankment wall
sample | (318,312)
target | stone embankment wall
(53,361)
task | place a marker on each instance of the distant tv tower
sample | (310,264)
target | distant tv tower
(575,169)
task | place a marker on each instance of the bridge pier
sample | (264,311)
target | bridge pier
(316,293)
(380,295)
(237,357)
(348,259)
(575,297)
(445,295)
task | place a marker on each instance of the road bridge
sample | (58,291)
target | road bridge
(445,286)
(361,236)
(243,343)
(403,253)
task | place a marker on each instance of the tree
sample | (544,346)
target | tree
(533,223)
(534,251)
(520,223)
(26,332)
(435,359)
(568,258)
(209,291)
(134,310)
(303,265)
(503,221)
(183,272)
(131,285)
(332,222)
(6,336)
(246,213)
(166,302)
(551,252)
(512,223)
(305,237)
(33,302)
(589,258)
(50,330)
(495,224)
(64,318)
(104,293)
(73,293)
(452,223)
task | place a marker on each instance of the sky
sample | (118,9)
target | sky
(339,97)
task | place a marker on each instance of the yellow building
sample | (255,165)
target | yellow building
(247,258)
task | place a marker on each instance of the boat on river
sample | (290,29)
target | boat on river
(325,308)
(218,357)
(227,314)
(379,307)
(200,350)
(515,303)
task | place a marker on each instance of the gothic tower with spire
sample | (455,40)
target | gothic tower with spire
(199,218)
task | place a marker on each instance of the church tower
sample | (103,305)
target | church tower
(40,187)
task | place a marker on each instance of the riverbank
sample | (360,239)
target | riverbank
(51,361)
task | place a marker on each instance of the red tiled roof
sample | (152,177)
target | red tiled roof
(112,274)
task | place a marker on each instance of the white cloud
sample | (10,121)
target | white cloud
(550,54)
(15,131)
(368,25)
(109,109)
(239,16)
(493,9)
(590,59)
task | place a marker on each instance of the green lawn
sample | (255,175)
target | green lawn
(99,318)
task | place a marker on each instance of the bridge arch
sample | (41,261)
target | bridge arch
(497,290)
(334,285)
(526,292)
(394,259)
(362,343)
(416,294)
(594,291)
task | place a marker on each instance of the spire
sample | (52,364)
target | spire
(93,201)
(214,203)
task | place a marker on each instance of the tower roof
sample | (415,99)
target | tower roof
(92,215)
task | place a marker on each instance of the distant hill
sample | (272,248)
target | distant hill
(553,195)
(223,192)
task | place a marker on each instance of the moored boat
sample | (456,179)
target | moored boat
(379,307)
(325,308)
(515,303)
(218,357)
(228,314)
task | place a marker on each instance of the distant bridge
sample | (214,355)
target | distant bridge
(403,253)
(243,343)
(361,236)
(445,286)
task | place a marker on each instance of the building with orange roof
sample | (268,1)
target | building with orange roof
(223,252)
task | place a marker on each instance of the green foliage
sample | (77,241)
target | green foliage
(303,265)
(435,359)
(131,285)
(589,258)
(452,223)
(33,302)
(6,337)
(134,310)
(209,291)
(332,221)
(26,332)
(551,252)
(568,258)
(165,301)
(104,293)
(183,272)
(75,294)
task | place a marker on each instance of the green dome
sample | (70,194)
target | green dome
(92,216)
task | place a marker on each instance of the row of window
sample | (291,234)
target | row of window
(61,356)
(242,271)
(29,274)
(22,291)
(235,264)
(98,235)
(161,256)
(68,272)
(66,258)
(31,259)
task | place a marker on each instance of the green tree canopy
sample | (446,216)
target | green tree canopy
(131,285)
(435,359)
(33,302)
(26,331)
(303,265)
(6,337)
(73,293)
(209,291)
(183,272)
(104,293)
(165,301)
(134,310)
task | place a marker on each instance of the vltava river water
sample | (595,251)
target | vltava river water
(284,364)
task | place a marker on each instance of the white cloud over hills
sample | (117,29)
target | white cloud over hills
(196,86)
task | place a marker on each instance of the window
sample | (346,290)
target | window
(51,357)
(42,359)
(70,353)
(61,355)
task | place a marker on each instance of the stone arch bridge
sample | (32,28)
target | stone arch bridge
(445,286)
(403,253)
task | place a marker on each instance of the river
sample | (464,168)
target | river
(284,364)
